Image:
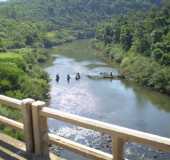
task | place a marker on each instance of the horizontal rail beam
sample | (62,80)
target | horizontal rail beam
(11,102)
(79,148)
(121,132)
(11,123)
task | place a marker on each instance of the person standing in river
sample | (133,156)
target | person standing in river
(111,74)
(57,78)
(77,76)
(68,78)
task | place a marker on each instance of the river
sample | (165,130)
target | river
(116,102)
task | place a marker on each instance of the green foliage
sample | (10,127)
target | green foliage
(19,67)
(147,34)
(17,34)
(9,72)
(147,72)
(58,37)
(35,87)
(145,39)
(157,54)
(22,77)
(13,114)
(80,15)
(126,37)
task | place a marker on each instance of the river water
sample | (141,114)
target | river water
(116,102)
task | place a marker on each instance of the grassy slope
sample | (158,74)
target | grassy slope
(21,77)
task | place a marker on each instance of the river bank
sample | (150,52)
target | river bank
(136,68)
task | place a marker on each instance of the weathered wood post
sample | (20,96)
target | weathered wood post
(117,148)
(28,125)
(40,130)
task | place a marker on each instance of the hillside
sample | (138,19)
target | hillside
(77,14)
(140,43)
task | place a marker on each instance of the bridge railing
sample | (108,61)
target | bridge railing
(25,106)
(36,115)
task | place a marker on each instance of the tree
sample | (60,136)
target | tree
(108,34)
(165,60)
(157,54)
(156,35)
(126,37)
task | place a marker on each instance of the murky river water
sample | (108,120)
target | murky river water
(116,102)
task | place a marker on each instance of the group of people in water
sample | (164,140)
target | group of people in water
(68,77)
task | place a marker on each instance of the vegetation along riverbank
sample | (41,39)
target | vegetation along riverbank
(24,50)
(140,44)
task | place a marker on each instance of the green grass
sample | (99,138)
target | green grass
(10,56)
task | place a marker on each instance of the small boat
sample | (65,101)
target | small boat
(107,75)
(94,76)
(104,76)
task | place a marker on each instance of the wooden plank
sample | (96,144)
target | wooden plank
(11,102)
(117,148)
(126,134)
(28,124)
(79,148)
(40,130)
(12,141)
(11,123)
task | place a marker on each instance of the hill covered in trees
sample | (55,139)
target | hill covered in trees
(78,14)
(140,42)
(72,18)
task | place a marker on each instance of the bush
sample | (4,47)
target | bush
(165,60)
(10,75)
(157,54)
(147,72)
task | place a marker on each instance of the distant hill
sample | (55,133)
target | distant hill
(77,14)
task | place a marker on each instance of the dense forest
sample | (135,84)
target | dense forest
(78,14)
(140,43)
(28,28)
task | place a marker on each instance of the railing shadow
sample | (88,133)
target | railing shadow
(9,152)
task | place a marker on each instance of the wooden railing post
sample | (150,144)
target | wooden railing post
(40,130)
(28,125)
(117,148)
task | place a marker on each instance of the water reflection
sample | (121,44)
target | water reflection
(157,99)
